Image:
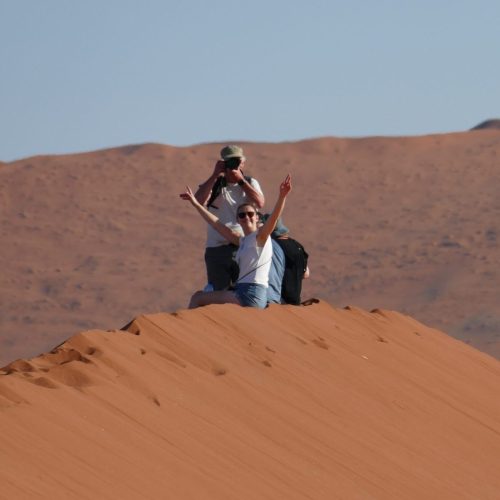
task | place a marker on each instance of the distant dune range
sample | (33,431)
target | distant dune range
(488,124)
(404,223)
(230,403)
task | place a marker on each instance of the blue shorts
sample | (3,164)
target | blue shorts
(251,295)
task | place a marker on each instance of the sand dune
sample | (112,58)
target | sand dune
(405,223)
(225,402)
(488,124)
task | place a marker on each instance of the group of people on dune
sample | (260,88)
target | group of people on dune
(250,258)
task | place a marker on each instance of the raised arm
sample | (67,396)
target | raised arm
(224,231)
(268,227)
(254,196)
(203,192)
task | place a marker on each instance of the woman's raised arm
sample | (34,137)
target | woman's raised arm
(224,231)
(268,227)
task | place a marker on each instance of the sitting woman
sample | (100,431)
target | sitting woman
(254,253)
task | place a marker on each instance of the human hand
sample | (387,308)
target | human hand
(286,186)
(188,195)
(219,168)
(237,175)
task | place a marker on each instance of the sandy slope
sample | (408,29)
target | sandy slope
(411,224)
(224,402)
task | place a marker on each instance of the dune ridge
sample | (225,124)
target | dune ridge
(493,123)
(224,402)
(405,223)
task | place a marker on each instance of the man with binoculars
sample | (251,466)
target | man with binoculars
(222,193)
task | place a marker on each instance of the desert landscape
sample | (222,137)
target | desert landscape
(227,402)
(91,240)
(385,386)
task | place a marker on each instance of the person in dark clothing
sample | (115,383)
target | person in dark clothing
(296,264)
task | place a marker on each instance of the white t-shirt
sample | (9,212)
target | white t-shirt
(254,261)
(229,199)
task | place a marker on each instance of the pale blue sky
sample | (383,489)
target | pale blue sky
(79,76)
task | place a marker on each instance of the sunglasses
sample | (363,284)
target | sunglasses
(242,215)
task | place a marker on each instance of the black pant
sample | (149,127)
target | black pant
(222,269)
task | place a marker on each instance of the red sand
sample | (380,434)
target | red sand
(404,223)
(224,402)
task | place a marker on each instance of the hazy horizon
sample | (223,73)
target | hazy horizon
(81,77)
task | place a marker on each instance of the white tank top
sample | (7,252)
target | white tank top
(254,261)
